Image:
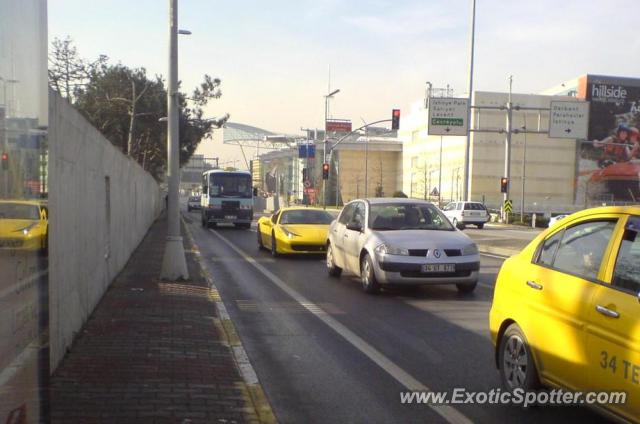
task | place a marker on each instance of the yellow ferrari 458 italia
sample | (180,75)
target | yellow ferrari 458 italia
(23,225)
(294,230)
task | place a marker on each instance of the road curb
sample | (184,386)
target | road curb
(253,390)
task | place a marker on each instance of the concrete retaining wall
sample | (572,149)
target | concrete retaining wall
(101,205)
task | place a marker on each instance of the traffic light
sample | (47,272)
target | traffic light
(325,171)
(504,185)
(395,119)
(305,174)
(5,161)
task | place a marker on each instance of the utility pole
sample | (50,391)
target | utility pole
(440,176)
(424,182)
(507,149)
(174,264)
(524,167)
(467,147)
(366,163)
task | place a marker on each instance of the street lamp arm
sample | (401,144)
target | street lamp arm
(344,137)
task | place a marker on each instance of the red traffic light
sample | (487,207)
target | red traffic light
(5,156)
(504,185)
(395,119)
(5,161)
(325,171)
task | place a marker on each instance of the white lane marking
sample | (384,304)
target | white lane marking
(26,357)
(408,381)
(491,255)
(246,369)
(31,280)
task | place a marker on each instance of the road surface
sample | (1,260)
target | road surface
(326,352)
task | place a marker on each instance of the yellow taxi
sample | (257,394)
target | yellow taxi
(566,309)
(296,230)
(24,225)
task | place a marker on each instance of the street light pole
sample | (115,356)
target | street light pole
(507,149)
(326,141)
(174,264)
(467,165)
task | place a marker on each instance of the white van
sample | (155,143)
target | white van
(462,213)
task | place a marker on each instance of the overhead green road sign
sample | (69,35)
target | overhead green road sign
(454,122)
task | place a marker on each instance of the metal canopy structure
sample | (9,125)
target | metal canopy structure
(242,135)
(247,136)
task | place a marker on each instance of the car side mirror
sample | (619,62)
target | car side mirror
(354,226)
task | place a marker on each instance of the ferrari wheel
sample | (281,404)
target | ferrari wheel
(274,247)
(260,244)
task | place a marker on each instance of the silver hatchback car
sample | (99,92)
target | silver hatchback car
(401,242)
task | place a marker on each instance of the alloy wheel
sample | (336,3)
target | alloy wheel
(515,362)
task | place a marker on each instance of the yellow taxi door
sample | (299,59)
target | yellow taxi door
(558,287)
(613,332)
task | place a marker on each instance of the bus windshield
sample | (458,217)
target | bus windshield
(230,185)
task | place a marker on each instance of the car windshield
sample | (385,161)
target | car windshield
(18,211)
(230,185)
(407,216)
(306,217)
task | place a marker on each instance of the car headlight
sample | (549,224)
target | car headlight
(469,250)
(385,249)
(288,233)
(25,230)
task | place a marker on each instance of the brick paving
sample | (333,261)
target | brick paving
(150,352)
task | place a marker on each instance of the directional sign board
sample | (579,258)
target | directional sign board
(448,116)
(569,119)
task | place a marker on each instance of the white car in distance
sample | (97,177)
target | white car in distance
(463,213)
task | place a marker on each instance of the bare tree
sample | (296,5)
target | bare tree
(67,71)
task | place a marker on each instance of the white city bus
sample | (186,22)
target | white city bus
(227,197)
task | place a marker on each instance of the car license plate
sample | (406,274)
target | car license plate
(439,268)
(230,217)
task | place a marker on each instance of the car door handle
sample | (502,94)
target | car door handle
(534,285)
(607,312)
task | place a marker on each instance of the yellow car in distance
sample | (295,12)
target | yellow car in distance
(566,310)
(294,230)
(24,225)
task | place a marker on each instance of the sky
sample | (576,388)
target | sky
(275,59)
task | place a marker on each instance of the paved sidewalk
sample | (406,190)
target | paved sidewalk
(152,352)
